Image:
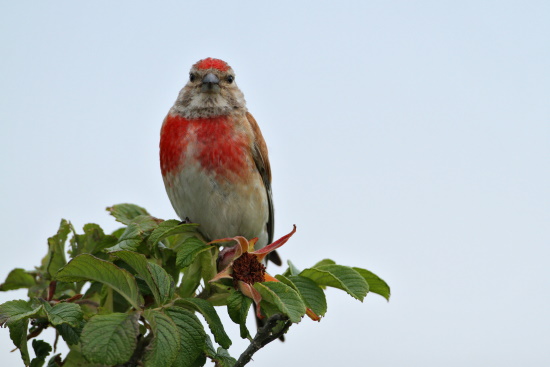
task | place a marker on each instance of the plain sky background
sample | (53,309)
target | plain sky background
(411,138)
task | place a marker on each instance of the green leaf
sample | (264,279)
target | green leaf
(211,317)
(136,233)
(169,228)
(18,334)
(238,306)
(286,299)
(65,313)
(293,270)
(110,339)
(55,259)
(312,295)
(341,277)
(18,278)
(323,262)
(125,213)
(16,310)
(41,350)
(223,358)
(160,283)
(70,334)
(166,342)
(190,249)
(55,361)
(191,280)
(192,337)
(92,241)
(376,284)
(88,267)
(75,359)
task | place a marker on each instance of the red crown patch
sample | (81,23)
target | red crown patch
(210,63)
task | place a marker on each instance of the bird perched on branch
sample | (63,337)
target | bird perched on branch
(214,158)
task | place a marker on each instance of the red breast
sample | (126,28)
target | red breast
(217,145)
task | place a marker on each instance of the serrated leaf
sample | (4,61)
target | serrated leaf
(41,350)
(165,345)
(160,283)
(238,306)
(88,267)
(136,233)
(16,279)
(312,295)
(211,317)
(339,276)
(169,228)
(65,313)
(190,249)
(16,310)
(286,299)
(55,258)
(110,339)
(192,337)
(18,334)
(125,213)
(70,334)
(376,284)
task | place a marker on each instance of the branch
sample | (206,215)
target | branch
(263,337)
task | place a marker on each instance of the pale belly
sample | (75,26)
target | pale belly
(221,208)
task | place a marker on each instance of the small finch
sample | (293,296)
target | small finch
(214,160)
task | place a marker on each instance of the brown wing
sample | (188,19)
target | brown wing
(262,163)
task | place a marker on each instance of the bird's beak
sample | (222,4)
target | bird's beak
(210,84)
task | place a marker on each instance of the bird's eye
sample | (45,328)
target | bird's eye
(192,77)
(230,79)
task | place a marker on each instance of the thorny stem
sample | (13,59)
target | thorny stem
(263,337)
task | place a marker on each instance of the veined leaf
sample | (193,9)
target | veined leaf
(158,280)
(211,317)
(238,306)
(16,310)
(376,284)
(110,339)
(17,278)
(223,358)
(341,277)
(169,228)
(323,262)
(286,299)
(18,334)
(166,342)
(190,280)
(190,249)
(92,241)
(125,213)
(192,337)
(137,232)
(65,313)
(312,295)
(70,334)
(55,259)
(88,267)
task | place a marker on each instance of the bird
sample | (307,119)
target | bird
(214,159)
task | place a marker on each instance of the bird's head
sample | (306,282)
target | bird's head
(210,91)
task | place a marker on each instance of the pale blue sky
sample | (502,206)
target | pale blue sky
(409,138)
